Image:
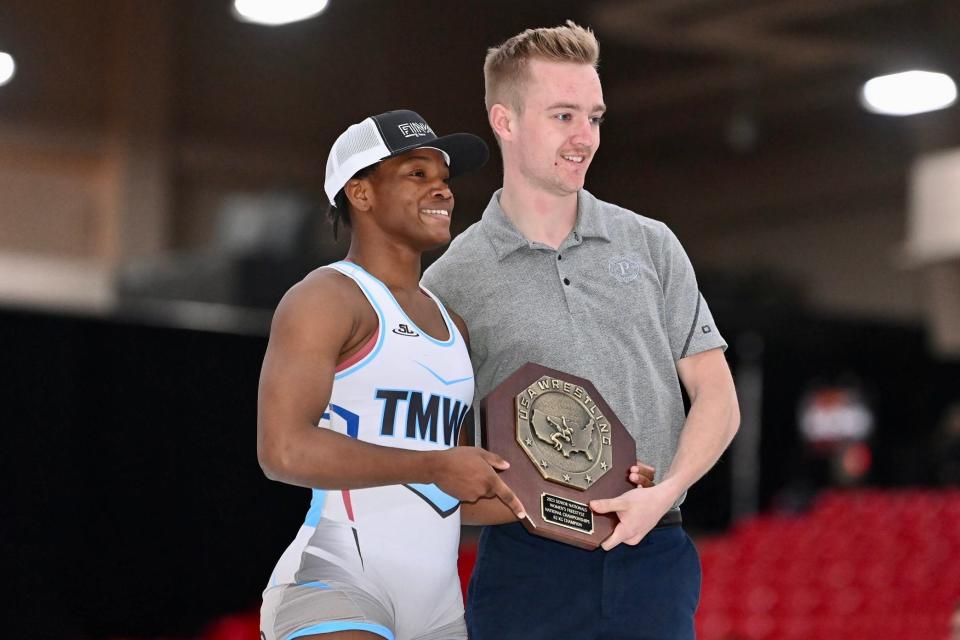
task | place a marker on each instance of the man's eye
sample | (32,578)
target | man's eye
(597,120)
(418,173)
(563,117)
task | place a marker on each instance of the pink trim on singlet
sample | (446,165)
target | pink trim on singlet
(359,355)
(347,503)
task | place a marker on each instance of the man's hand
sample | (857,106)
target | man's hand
(470,473)
(639,511)
(641,474)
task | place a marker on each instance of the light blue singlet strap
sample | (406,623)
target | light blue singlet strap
(355,273)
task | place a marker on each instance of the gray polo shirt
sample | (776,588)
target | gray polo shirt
(617,304)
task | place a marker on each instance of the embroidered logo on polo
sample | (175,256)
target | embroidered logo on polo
(623,268)
(404,330)
(415,129)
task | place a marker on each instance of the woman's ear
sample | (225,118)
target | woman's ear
(358,192)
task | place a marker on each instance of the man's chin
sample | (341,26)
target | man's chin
(571,187)
(571,183)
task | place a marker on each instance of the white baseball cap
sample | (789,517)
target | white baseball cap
(391,134)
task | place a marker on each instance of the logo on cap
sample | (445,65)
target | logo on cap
(415,129)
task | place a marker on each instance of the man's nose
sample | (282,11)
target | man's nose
(584,133)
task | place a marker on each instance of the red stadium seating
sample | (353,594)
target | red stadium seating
(860,565)
(241,626)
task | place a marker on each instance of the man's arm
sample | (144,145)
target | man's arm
(710,426)
(313,323)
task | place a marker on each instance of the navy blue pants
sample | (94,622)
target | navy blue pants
(524,586)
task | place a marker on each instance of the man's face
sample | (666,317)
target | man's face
(412,199)
(558,131)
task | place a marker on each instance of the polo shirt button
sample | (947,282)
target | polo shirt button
(559,257)
(566,281)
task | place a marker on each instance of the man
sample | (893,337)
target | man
(362,351)
(555,276)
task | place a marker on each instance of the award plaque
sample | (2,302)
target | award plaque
(565,447)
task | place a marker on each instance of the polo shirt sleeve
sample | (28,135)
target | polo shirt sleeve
(450,280)
(690,325)
(433,280)
(442,279)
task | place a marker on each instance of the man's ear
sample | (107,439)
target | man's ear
(502,121)
(359,194)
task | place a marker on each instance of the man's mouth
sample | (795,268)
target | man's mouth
(436,212)
(578,159)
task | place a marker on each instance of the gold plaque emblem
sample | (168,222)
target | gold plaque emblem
(563,432)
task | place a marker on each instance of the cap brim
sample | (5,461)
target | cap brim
(467,152)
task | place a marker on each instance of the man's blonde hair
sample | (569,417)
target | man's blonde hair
(505,70)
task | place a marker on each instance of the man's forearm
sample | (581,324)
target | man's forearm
(710,426)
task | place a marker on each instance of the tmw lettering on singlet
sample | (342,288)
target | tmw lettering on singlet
(425,416)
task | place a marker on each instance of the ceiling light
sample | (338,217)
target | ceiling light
(7,68)
(907,93)
(277,12)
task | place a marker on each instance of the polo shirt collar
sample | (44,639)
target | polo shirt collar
(506,238)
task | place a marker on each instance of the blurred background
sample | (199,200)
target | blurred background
(161,168)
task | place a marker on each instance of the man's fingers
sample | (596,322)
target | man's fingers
(641,470)
(614,539)
(509,498)
(640,480)
(641,474)
(645,469)
(606,506)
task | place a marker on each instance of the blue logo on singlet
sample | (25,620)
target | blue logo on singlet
(351,419)
(425,417)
